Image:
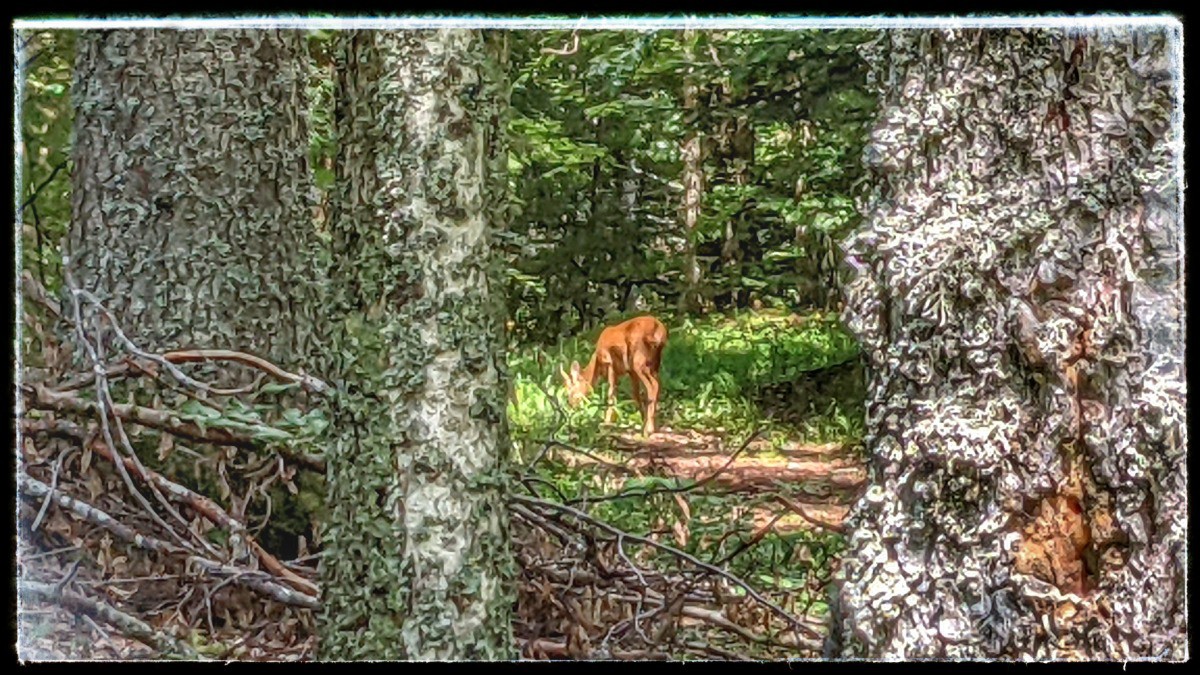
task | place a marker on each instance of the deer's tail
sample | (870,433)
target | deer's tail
(658,337)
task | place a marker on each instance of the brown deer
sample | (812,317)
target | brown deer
(632,348)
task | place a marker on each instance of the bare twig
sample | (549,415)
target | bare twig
(307,382)
(35,488)
(551,443)
(101,387)
(313,383)
(68,577)
(261,582)
(212,512)
(53,484)
(256,580)
(754,539)
(103,633)
(637,492)
(42,186)
(35,291)
(799,510)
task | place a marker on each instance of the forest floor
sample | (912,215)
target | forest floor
(826,475)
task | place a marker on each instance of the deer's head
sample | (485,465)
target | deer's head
(576,384)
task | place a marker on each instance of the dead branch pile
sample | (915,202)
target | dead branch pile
(142,556)
(588,592)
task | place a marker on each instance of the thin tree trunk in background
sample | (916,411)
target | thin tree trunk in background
(190,192)
(417,562)
(692,154)
(1020,301)
(739,147)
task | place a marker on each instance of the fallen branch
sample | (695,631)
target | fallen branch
(35,488)
(48,399)
(259,581)
(128,625)
(686,488)
(211,512)
(307,382)
(799,510)
(311,383)
(58,400)
(253,579)
(101,384)
(719,619)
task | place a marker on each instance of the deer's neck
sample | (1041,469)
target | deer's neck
(591,373)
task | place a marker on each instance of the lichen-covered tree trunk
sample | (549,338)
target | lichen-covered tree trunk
(1020,300)
(417,562)
(190,187)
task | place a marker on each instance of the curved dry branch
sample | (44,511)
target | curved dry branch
(35,488)
(307,382)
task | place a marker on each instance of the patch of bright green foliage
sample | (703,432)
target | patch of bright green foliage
(713,372)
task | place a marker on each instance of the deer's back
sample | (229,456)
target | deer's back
(640,333)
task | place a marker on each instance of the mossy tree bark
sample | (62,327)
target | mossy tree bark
(191,190)
(417,562)
(1019,298)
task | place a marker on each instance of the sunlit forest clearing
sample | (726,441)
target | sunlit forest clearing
(756,406)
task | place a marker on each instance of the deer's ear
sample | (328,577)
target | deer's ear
(575,370)
(563,372)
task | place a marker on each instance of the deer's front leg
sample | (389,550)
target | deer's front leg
(648,425)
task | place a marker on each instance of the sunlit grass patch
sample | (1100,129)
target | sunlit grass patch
(714,374)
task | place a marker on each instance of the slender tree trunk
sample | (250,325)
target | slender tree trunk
(191,187)
(417,562)
(739,148)
(1020,301)
(692,154)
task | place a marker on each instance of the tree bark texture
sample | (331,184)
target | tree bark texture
(417,562)
(190,187)
(1019,297)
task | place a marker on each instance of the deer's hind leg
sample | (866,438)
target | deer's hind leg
(639,396)
(646,371)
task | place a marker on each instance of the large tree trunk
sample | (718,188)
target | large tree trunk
(1020,301)
(417,562)
(191,188)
